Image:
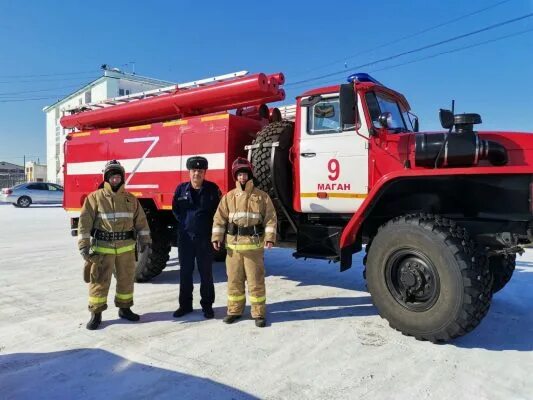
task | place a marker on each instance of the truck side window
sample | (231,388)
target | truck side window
(373,108)
(324,117)
(378,104)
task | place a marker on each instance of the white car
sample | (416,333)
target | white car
(28,193)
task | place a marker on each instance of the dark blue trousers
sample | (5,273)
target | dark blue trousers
(201,251)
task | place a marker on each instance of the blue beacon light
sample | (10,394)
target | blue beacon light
(362,77)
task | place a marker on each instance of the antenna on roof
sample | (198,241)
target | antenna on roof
(132,63)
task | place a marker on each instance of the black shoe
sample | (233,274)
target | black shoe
(230,319)
(260,322)
(94,322)
(126,313)
(180,312)
(209,313)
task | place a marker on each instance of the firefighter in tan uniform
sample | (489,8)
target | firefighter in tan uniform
(111,219)
(246,221)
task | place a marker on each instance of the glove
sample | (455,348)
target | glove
(144,247)
(84,251)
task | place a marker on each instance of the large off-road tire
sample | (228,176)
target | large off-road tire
(502,268)
(281,131)
(426,278)
(152,262)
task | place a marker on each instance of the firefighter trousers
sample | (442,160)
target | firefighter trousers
(101,270)
(201,251)
(246,266)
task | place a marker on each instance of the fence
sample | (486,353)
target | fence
(10,179)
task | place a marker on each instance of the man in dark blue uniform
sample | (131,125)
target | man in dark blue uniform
(194,205)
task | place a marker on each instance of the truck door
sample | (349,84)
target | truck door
(333,161)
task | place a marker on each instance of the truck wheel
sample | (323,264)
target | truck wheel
(281,131)
(152,262)
(502,268)
(426,279)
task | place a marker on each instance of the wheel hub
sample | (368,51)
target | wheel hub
(412,279)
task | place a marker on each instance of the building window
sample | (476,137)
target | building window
(123,92)
(88,97)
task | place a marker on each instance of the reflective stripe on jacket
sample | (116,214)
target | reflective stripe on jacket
(248,207)
(110,211)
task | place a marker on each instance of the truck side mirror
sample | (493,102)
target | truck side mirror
(384,119)
(347,104)
(416,126)
(446,118)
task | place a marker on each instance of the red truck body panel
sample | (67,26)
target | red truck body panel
(154,155)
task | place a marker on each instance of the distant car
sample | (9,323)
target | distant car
(25,194)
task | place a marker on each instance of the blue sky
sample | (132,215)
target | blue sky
(187,40)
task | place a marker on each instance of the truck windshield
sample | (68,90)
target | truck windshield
(378,104)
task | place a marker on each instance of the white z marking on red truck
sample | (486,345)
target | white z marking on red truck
(154,140)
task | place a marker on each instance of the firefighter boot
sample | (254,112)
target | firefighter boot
(260,322)
(230,319)
(126,313)
(95,320)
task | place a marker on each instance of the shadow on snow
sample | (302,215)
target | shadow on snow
(95,373)
(507,326)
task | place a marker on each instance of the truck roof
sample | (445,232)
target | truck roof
(360,85)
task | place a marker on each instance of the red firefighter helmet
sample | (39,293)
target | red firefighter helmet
(240,165)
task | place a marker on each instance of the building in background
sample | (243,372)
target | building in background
(113,83)
(35,172)
(10,174)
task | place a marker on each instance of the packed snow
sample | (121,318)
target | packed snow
(324,338)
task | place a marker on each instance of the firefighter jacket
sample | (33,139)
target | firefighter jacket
(194,209)
(246,208)
(111,213)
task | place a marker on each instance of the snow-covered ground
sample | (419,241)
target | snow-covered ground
(324,339)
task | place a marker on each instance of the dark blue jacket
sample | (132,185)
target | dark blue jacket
(194,212)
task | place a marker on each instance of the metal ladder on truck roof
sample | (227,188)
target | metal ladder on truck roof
(157,92)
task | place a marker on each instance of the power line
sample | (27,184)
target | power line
(59,96)
(452,39)
(50,80)
(19,157)
(37,90)
(412,35)
(454,50)
(53,74)
(434,55)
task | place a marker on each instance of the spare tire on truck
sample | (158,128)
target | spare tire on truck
(281,132)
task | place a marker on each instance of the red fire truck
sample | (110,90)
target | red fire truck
(442,214)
